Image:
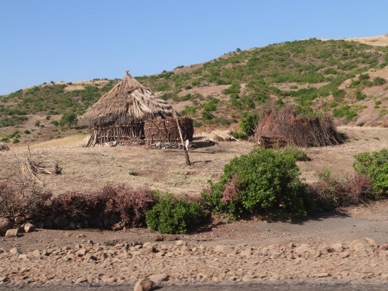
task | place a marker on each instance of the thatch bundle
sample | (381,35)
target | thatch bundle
(120,114)
(166,130)
(278,127)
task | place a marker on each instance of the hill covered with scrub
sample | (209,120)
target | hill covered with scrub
(341,78)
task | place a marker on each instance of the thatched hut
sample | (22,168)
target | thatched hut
(279,127)
(119,115)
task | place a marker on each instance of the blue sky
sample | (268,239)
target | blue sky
(78,40)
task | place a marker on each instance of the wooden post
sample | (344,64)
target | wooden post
(183,143)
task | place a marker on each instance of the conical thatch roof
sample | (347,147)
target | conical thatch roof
(127,102)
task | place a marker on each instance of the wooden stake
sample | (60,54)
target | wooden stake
(183,143)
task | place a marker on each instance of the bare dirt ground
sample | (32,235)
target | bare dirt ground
(324,251)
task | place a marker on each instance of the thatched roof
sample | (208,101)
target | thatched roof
(127,102)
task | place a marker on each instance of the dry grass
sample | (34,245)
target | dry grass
(165,170)
(380,40)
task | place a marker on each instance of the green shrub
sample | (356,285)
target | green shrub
(344,111)
(239,134)
(379,81)
(14,134)
(360,95)
(173,215)
(261,182)
(297,153)
(248,123)
(69,118)
(375,166)
(364,77)
(207,115)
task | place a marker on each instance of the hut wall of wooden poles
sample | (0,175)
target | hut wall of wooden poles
(165,130)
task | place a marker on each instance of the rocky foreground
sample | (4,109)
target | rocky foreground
(182,262)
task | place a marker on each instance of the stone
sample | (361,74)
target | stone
(19,219)
(14,251)
(144,284)
(28,227)
(5,224)
(371,242)
(36,253)
(338,247)
(302,249)
(321,275)
(80,280)
(14,232)
(384,247)
(81,252)
(158,278)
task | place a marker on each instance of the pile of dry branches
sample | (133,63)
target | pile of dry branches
(285,125)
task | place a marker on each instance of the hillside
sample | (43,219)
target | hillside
(346,79)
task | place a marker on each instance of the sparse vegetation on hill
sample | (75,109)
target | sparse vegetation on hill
(308,74)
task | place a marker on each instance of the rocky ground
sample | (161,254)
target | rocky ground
(344,247)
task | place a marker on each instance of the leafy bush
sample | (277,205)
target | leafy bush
(379,81)
(375,166)
(69,118)
(297,153)
(360,95)
(239,134)
(344,111)
(262,181)
(173,215)
(248,123)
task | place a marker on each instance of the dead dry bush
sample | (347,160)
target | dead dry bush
(331,192)
(104,208)
(23,199)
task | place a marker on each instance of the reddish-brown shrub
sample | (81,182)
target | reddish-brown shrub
(128,204)
(331,192)
(9,202)
(230,193)
(103,208)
